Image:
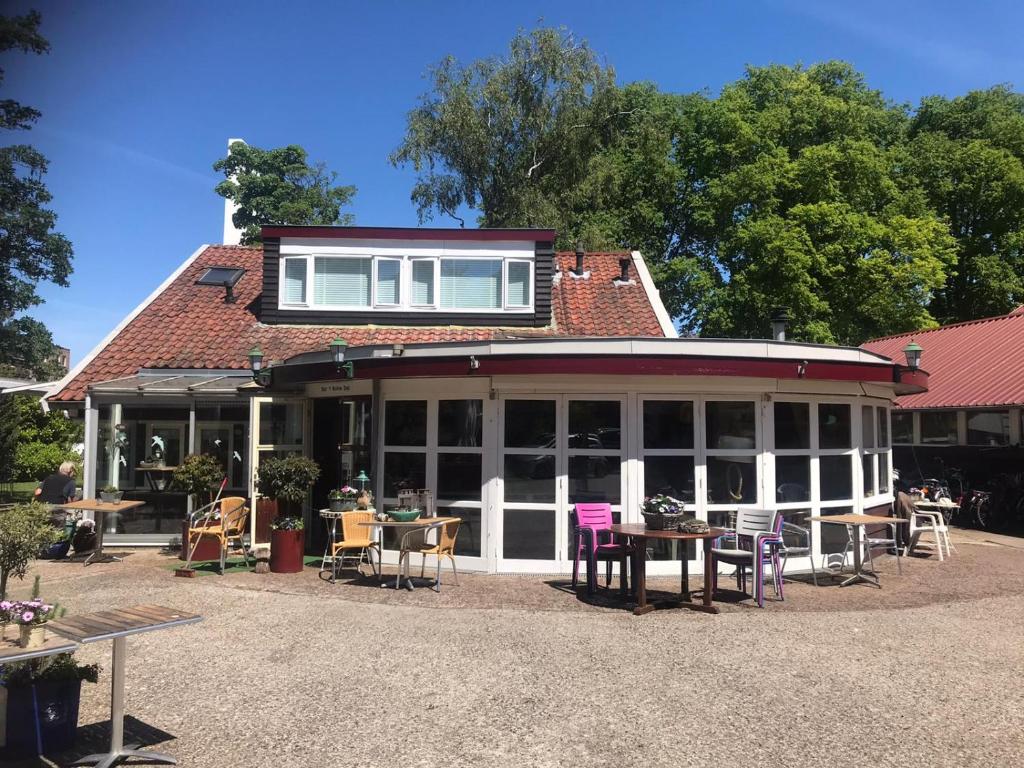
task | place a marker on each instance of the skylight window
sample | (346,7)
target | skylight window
(221,276)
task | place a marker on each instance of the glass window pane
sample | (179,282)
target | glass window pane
(595,424)
(671,476)
(529,534)
(792,478)
(458,476)
(883,427)
(595,478)
(280,423)
(388,281)
(404,470)
(833,425)
(530,424)
(342,282)
(730,424)
(460,422)
(732,480)
(169,441)
(792,425)
(405,422)
(938,427)
(518,291)
(988,428)
(467,541)
(902,427)
(867,424)
(294,281)
(834,537)
(836,478)
(470,283)
(869,474)
(668,424)
(530,478)
(423,283)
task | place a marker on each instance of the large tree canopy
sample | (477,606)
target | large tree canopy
(279,186)
(30,250)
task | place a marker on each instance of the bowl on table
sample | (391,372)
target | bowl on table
(404,515)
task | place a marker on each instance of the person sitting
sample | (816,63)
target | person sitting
(58,488)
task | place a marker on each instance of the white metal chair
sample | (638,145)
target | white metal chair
(797,541)
(872,540)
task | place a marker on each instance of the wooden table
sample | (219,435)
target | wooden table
(424,524)
(855,524)
(10,651)
(99,509)
(639,534)
(152,477)
(117,625)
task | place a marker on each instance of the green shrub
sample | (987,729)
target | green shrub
(198,475)
(34,461)
(25,530)
(288,479)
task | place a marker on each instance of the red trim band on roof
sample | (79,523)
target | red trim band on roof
(410,233)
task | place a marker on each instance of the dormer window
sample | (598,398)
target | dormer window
(406,283)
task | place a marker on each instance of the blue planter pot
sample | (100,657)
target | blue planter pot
(49,719)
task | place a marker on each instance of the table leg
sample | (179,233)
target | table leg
(858,565)
(642,606)
(709,578)
(118,750)
(684,586)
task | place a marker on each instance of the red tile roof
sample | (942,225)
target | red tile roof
(189,326)
(972,364)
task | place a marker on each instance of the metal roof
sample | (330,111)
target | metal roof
(174,383)
(974,364)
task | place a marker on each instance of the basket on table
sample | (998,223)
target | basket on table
(662,513)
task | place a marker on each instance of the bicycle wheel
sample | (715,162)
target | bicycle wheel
(981,512)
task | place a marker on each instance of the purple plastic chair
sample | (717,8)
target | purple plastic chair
(592,539)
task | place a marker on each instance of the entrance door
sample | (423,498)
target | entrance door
(554,452)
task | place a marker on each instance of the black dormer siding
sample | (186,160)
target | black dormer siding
(543,271)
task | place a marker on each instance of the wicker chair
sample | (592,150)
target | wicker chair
(445,548)
(225,523)
(355,536)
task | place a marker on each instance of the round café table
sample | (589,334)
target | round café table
(639,534)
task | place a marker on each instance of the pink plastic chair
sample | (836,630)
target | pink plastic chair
(590,525)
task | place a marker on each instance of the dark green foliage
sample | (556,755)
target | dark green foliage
(30,251)
(61,667)
(43,440)
(25,530)
(279,186)
(287,479)
(199,475)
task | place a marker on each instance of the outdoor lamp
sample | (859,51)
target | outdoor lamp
(338,347)
(362,479)
(913,352)
(255,360)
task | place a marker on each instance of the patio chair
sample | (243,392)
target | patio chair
(796,541)
(591,538)
(755,528)
(872,540)
(445,548)
(929,521)
(355,537)
(224,521)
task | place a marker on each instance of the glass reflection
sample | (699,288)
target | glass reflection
(731,425)
(833,425)
(671,476)
(668,424)
(530,423)
(732,480)
(460,422)
(595,424)
(792,425)
(792,478)
(595,478)
(530,478)
(405,422)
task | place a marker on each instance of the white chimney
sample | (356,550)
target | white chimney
(232,235)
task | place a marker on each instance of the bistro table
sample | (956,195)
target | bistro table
(855,524)
(10,651)
(423,524)
(99,509)
(639,534)
(331,519)
(157,478)
(117,625)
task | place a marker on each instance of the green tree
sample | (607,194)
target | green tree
(30,250)
(795,193)
(24,530)
(10,426)
(43,439)
(279,186)
(968,153)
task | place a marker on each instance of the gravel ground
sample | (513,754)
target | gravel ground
(287,670)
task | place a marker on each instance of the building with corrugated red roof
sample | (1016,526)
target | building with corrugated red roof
(505,380)
(970,416)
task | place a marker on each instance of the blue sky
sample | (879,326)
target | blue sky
(139,98)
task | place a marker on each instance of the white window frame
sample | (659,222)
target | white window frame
(436,262)
(375,269)
(505,276)
(283,303)
(311,272)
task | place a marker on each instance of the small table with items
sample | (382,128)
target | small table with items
(331,519)
(157,478)
(99,509)
(406,529)
(639,534)
(855,524)
(117,625)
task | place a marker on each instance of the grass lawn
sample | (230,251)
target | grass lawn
(21,491)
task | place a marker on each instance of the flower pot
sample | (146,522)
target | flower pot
(336,505)
(286,551)
(32,635)
(111,497)
(53,705)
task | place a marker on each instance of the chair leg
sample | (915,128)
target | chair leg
(576,560)
(455,571)
(423,565)
(607,574)
(438,586)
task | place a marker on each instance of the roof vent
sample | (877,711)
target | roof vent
(780,319)
(623,277)
(580,253)
(224,276)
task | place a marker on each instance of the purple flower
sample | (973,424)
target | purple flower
(5,606)
(27,616)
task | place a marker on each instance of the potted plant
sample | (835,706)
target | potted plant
(42,694)
(343,499)
(25,531)
(287,480)
(111,494)
(198,475)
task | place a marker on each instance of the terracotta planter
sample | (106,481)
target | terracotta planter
(266,511)
(286,551)
(207,549)
(32,635)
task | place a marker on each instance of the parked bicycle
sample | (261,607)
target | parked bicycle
(974,510)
